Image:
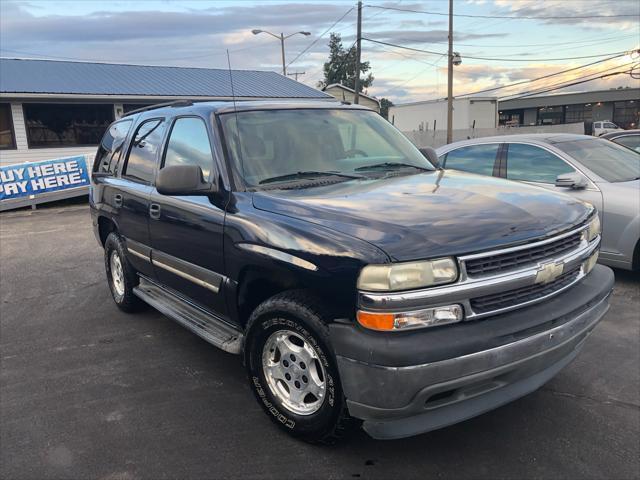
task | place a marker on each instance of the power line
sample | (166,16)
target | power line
(527,94)
(322,35)
(519,17)
(495,59)
(545,87)
(401,46)
(543,59)
(539,78)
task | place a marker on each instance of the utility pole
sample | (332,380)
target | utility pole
(284,65)
(450,78)
(356,96)
(295,74)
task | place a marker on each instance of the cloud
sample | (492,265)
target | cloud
(566,12)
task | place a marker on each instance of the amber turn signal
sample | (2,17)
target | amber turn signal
(376,321)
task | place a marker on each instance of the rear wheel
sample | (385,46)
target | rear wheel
(121,276)
(292,368)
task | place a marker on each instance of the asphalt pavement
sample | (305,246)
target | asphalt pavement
(87,391)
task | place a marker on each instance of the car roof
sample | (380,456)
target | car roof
(620,133)
(537,138)
(228,106)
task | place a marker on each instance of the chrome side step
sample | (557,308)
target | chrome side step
(205,325)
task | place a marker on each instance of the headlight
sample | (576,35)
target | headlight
(428,317)
(594,229)
(407,276)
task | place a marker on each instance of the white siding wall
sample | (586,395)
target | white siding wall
(410,117)
(348,96)
(24,154)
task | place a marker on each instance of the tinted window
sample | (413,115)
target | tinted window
(189,145)
(474,158)
(111,147)
(610,125)
(534,164)
(612,162)
(7,139)
(630,141)
(61,125)
(144,150)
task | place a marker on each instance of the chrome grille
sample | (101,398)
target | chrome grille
(519,296)
(491,265)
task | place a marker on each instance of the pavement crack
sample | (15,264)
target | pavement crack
(609,401)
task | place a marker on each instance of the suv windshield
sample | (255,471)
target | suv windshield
(273,146)
(606,159)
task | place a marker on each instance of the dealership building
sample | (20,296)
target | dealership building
(621,106)
(52,109)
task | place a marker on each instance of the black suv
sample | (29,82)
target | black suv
(360,282)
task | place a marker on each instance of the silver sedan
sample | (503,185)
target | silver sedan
(591,169)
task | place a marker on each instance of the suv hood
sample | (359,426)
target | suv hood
(432,214)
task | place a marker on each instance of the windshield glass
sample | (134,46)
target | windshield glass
(305,143)
(612,162)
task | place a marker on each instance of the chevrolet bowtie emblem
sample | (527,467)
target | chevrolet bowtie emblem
(549,272)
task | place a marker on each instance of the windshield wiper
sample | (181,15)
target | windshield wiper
(391,166)
(306,175)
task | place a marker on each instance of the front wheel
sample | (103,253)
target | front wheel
(292,369)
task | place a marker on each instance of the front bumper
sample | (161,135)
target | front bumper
(396,399)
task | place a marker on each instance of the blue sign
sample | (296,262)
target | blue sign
(36,178)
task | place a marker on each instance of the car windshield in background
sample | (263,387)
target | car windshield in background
(606,159)
(306,145)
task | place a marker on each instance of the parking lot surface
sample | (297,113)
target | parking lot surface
(87,391)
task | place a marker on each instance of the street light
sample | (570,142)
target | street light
(282,38)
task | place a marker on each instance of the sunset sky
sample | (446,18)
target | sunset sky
(198,33)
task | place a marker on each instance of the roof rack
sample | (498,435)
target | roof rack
(176,103)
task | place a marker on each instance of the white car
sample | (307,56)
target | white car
(600,128)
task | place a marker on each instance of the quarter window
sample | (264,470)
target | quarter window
(7,138)
(189,145)
(110,148)
(65,125)
(478,159)
(144,150)
(534,164)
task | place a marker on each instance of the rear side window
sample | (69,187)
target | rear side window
(534,164)
(144,150)
(111,146)
(478,159)
(610,125)
(189,145)
(629,141)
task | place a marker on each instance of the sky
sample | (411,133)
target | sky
(198,34)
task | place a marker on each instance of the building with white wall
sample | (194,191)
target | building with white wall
(346,94)
(52,109)
(476,112)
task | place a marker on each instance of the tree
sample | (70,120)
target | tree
(385,103)
(342,65)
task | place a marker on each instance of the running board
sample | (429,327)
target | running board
(205,325)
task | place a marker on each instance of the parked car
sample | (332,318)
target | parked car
(627,138)
(590,169)
(600,128)
(357,280)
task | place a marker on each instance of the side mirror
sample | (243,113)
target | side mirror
(182,180)
(573,180)
(431,155)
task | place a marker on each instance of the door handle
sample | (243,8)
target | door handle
(154,211)
(117,200)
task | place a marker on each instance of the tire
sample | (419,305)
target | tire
(122,284)
(296,317)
